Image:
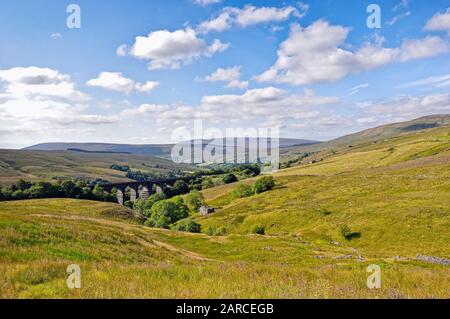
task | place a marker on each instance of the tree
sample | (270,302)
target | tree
(187,225)
(167,212)
(229,178)
(180,187)
(98,192)
(70,189)
(264,184)
(23,185)
(242,191)
(18,194)
(128,204)
(194,200)
(145,207)
(250,169)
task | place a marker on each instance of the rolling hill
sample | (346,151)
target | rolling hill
(51,165)
(394,194)
(373,135)
(159,150)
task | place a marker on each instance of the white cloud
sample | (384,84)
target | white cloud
(250,15)
(165,49)
(231,75)
(357,88)
(56,36)
(265,104)
(396,18)
(117,82)
(42,103)
(434,81)
(409,107)
(413,49)
(316,54)
(147,86)
(439,22)
(34,82)
(205,3)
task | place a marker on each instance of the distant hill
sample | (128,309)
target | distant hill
(373,135)
(48,165)
(159,150)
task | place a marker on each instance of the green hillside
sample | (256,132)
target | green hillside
(119,258)
(395,193)
(50,165)
(373,135)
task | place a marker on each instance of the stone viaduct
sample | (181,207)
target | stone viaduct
(143,189)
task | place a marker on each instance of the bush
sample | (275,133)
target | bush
(214,231)
(180,187)
(167,212)
(264,184)
(348,234)
(258,229)
(128,204)
(145,207)
(242,191)
(194,200)
(229,178)
(187,225)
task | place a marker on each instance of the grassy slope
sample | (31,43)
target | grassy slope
(120,258)
(395,193)
(48,165)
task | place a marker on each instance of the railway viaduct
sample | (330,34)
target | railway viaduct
(143,189)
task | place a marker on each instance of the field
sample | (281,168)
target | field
(394,194)
(51,165)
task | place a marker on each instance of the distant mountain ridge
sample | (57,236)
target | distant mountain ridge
(160,150)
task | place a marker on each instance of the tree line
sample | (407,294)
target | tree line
(78,189)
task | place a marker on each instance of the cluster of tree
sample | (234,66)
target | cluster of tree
(122,168)
(79,189)
(141,176)
(297,160)
(262,185)
(171,213)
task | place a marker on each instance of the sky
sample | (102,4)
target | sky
(137,71)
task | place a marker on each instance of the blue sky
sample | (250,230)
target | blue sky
(135,71)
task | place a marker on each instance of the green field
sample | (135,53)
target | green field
(394,193)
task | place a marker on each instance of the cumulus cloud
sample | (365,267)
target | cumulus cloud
(115,81)
(231,75)
(317,54)
(166,49)
(38,100)
(265,104)
(250,15)
(34,82)
(439,22)
(413,49)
